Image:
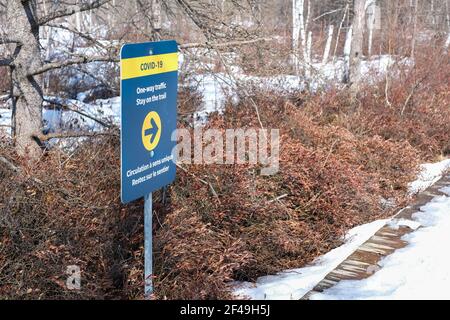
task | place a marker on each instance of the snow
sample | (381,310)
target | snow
(397,223)
(293,284)
(5,120)
(419,258)
(57,120)
(447,42)
(430,173)
(421,270)
(216,87)
(106,110)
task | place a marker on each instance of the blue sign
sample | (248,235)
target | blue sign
(149,84)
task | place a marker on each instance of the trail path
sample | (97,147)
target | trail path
(408,258)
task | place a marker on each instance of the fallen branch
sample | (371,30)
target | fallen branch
(279,198)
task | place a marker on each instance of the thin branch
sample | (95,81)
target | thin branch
(75,134)
(327,13)
(242,89)
(8,41)
(411,94)
(78,33)
(66,107)
(79,60)
(339,30)
(5,62)
(70,10)
(223,45)
(194,16)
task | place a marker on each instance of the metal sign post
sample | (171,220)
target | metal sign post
(149,85)
(148,246)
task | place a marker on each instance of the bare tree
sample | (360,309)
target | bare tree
(326,52)
(299,32)
(372,13)
(27,66)
(359,10)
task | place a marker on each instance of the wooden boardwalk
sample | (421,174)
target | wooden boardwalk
(363,262)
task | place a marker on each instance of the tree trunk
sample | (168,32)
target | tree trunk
(372,16)
(326,52)
(347,50)
(299,29)
(357,43)
(413,39)
(297,10)
(26,91)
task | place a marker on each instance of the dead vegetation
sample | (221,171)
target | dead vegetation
(341,165)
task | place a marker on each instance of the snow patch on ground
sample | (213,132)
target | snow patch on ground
(105,110)
(5,121)
(397,223)
(293,284)
(216,87)
(419,271)
(430,173)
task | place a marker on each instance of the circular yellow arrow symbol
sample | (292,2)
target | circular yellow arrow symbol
(151,130)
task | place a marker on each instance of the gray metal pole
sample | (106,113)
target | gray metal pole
(148,246)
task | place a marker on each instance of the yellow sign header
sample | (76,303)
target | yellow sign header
(149,65)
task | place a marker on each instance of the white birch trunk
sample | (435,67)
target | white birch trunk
(433,17)
(297,7)
(371,16)
(308,55)
(306,40)
(339,32)
(347,50)
(326,52)
(299,30)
